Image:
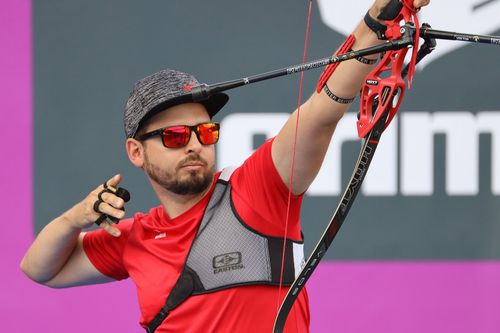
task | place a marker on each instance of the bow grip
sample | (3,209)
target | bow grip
(376,101)
(379,95)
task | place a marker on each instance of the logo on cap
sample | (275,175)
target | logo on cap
(187,88)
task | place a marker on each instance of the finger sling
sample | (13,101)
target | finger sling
(120,192)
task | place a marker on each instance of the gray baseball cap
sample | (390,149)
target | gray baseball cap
(162,90)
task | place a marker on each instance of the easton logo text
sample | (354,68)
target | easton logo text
(227,262)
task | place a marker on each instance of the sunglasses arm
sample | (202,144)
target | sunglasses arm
(150,135)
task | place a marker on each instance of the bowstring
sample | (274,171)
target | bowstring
(292,164)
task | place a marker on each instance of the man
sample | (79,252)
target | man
(211,248)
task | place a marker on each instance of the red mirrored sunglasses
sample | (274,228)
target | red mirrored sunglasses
(178,136)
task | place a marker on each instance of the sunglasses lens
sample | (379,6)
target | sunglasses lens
(208,133)
(177,136)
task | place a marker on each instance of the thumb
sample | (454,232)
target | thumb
(114,181)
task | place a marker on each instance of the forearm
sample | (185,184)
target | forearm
(349,76)
(346,80)
(321,113)
(51,249)
(319,117)
(56,257)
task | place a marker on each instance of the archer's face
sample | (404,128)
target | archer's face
(185,170)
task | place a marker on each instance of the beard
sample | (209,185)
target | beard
(194,182)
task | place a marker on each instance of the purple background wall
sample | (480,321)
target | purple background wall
(345,296)
(24,305)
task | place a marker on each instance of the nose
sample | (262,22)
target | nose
(193,145)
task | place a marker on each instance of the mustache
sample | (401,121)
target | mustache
(194,158)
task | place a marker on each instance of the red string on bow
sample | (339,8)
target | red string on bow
(292,164)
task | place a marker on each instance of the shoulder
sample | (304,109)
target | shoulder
(260,163)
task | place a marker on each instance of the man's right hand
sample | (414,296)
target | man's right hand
(57,258)
(83,215)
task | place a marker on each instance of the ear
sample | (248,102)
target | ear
(135,152)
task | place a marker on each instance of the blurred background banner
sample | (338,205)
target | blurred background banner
(420,250)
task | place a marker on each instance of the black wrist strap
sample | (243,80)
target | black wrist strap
(336,98)
(375,26)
